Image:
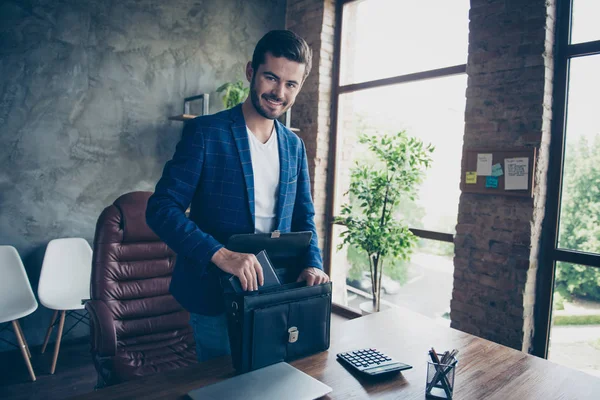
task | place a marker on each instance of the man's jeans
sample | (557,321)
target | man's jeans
(210,334)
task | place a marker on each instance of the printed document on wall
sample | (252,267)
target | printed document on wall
(516,173)
(484,164)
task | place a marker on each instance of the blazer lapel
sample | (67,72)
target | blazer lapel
(240,134)
(284,170)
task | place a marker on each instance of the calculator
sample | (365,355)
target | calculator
(371,362)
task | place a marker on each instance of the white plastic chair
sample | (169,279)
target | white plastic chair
(16,297)
(64,283)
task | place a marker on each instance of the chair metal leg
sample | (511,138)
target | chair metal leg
(49,331)
(23,336)
(61,325)
(24,351)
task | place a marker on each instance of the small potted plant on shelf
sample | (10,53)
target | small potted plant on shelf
(375,193)
(233,93)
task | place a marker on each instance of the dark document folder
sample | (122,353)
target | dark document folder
(287,251)
(269,274)
(289,244)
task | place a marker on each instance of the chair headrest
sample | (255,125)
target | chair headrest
(133,213)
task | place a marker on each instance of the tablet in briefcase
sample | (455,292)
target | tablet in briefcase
(287,251)
(270,276)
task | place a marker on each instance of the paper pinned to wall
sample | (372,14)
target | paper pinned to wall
(516,173)
(484,164)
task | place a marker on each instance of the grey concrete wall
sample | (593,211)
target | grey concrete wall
(86,87)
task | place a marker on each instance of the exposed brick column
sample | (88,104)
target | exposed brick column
(509,98)
(314,20)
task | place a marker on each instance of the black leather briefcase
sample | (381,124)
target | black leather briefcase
(280,323)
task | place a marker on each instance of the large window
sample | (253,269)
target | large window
(580,202)
(431,110)
(402,68)
(568,323)
(387,38)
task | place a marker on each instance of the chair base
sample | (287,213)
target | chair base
(60,321)
(22,346)
(112,370)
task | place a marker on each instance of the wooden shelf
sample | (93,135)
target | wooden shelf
(182,117)
(187,117)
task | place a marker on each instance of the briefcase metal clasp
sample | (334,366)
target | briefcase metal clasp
(275,234)
(293,331)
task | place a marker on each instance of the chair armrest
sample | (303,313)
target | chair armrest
(104,339)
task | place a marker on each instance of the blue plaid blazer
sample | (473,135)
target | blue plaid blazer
(212,171)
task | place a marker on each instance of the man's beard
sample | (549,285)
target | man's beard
(261,110)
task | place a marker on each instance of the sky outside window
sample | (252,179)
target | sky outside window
(585,21)
(398,37)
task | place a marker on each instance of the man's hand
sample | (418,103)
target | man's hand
(313,276)
(245,266)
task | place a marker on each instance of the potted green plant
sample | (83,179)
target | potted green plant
(233,93)
(375,192)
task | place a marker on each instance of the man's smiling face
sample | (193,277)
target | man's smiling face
(275,85)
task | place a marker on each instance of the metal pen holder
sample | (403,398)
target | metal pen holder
(440,379)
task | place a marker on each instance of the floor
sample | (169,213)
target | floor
(75,373)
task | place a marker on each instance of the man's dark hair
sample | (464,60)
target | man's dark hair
(282,43)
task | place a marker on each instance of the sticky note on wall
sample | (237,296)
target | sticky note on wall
(471,177)
(497,170)
(491,181)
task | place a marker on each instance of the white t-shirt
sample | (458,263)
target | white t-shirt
(265,165)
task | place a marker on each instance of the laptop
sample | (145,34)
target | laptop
(277,381)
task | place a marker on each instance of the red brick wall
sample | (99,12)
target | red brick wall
(509,98)
(314,20)
(508,105)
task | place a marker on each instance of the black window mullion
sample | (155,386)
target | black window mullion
(545,278)
(423,233)
(584,49)
(577,257)
(394,80)
(433,235)
(332,155)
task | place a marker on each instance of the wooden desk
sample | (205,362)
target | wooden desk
(485,370)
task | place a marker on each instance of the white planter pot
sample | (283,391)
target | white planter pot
(367,308)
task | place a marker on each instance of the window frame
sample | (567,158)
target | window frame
(550,253)
(336,92)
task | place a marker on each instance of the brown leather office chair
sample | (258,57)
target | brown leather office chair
(137,327)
